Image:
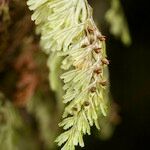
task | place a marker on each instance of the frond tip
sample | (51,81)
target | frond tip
(67,29)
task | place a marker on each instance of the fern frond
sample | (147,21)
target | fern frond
(10,125)
(39,107)
(119,25)
(68,30)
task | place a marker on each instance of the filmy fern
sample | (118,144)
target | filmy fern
(10,126)
(67,30)
(119,25)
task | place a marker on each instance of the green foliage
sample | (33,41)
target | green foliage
(67,30)
(39,106)
(54,63)
(13,133)
(118,24)
(10,122)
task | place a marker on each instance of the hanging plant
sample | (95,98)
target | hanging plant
(68,31)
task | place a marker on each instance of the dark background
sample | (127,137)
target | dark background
(130,82)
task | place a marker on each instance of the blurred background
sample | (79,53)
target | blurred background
(30,110)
